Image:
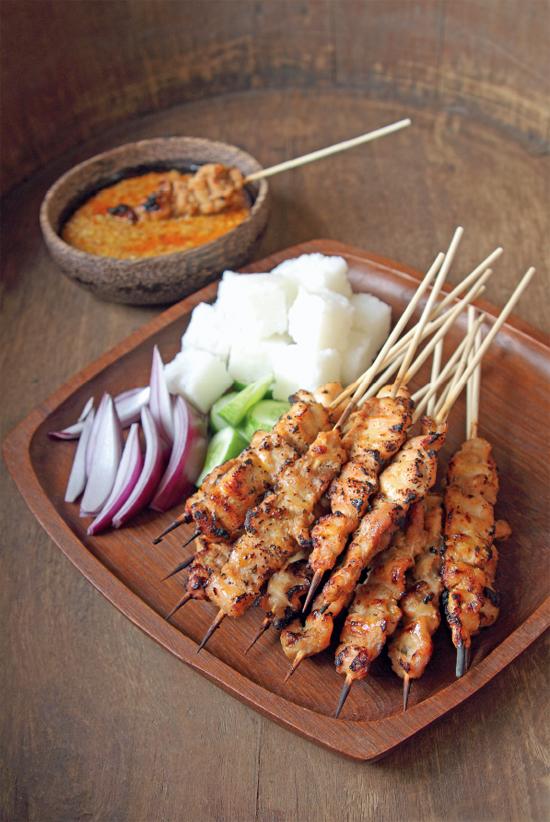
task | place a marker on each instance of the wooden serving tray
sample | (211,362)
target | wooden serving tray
(127,568)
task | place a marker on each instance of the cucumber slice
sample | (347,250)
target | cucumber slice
(236,409)
(240,386)
(264,415)
(224,445)
(216,422)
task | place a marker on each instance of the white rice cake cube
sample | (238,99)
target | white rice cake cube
(199,376)
(321,320)
(358,357)
(298,366)
(373,317)
(315,273)
(208,330)
(249,360)
(255,303)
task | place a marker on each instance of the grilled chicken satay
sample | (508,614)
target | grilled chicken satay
(372,436)
(209,558)
(470,558)
(278,526)
(213,188)
(284,594)
(219,507)
(374,612)
(411,645)
(407,479)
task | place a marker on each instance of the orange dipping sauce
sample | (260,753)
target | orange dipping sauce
(91,228)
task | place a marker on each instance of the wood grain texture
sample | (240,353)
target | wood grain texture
(73,69)
(98,721)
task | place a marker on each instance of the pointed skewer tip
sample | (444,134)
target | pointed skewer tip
(344,695)
(299,656)
(172,527)
(461,661)
(314,584)
(263,627)
(185,598)
(406,690)
(178,568)
(220,615)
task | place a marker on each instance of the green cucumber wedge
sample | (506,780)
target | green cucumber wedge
(264,415)
(217,422)
(235,410)
(224,445)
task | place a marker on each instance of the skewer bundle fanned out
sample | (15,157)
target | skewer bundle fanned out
(390,549)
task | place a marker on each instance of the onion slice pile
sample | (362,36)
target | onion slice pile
(115,479)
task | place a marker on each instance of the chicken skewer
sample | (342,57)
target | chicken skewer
(470,557)
(374,612)
(285,591)
(411,646)
(209,558)
(379,603)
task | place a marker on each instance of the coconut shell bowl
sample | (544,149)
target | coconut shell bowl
(165,278)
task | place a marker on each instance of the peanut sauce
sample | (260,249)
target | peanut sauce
(93,229)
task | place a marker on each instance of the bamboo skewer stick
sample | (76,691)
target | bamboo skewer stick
(473,384)
(357,388)
(504,314)
(443,324)
(436,368)
(326,152)
(481,269)
(428,308)
(447,371)
(440,321)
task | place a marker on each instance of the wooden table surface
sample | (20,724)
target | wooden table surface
(98,721)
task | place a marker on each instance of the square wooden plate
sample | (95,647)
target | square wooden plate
(127,568)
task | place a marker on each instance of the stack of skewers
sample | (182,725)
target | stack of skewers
(388,548)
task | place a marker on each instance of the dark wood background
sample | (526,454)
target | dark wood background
(97,721)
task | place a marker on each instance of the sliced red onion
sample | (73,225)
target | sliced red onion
(150,476)
(86,410)
(90,450)
(160,402)
(186,460)
(127,476)
(77,477)
(104,458)
(129,404)
(74,431)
